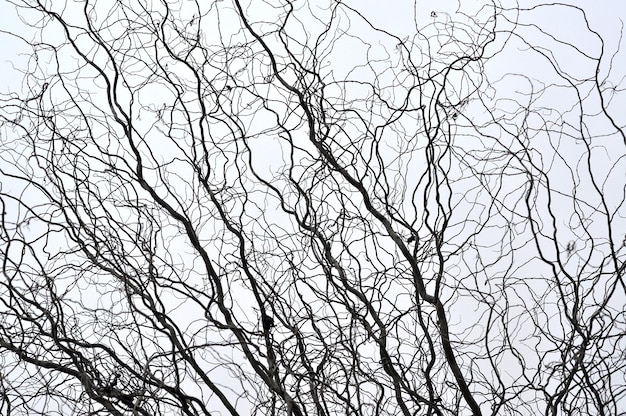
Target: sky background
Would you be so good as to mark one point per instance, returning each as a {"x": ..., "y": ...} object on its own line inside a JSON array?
[{"x": 517, "y": 76}]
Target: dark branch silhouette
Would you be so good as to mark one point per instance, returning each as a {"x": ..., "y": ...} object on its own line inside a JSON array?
[{"x": 312, "y": 208}]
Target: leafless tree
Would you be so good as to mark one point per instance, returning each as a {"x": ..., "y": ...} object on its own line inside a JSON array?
[{"x": 312, "y": 208}]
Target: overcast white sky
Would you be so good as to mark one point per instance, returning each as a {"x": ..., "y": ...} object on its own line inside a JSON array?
[{"x": 398, "y": 17}]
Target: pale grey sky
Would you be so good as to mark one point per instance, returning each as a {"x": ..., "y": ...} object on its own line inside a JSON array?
[{"x": 550, "y": 109}]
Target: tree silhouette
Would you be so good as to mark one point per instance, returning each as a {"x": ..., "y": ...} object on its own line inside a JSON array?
[{"x": 312, "y": 208}]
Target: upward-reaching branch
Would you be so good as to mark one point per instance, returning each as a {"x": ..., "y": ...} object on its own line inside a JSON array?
[{"x": 311, "y": 208}]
